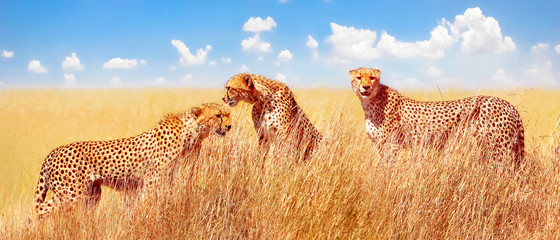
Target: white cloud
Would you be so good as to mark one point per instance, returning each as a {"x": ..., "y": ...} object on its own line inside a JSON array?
[
  {"x": 311, "y": 42},
  {"x": 557, "y": 48},
  {"x": 402, "y": 83},
  {"x": 7, "y": 54},
  {"x": 434, "y": 48},
  {"x": 285, "y": 56},
  {"x": 480, "y": 34},
  {"x": 72, "y": 63},
  {"x": 350, "y": 43},
  {"x": 543, "y": 75},
  {"x": 69, "y": 80},
  {"x": 116, "y": 81},
  {"x": 119, "y": 63},
  {"x": 475, "y": 32},
  {"x": 539, "y": 47},
  {"x": 258, "y": 25},
  {"x": 255, "y": 44},
  {"x": 213, "y": 63},
  {"x": 187, "y": 77},
  {"x": 226, "y": 59},
  {"x": 433, "y": 71},
  {"x": 35, "y": 66},
  {"x": 173, "y": 68},
  {"x": 500, "y": 79},
  {"x": 313, "y": 45},
  {"x": 160, "y": 81},
  {"x": 187, "y": 58},
  {"x": 244, "y": 68},
  {"x": 281, "y": 77}
]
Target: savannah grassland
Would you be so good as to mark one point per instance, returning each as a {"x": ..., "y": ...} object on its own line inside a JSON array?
[{"x": 233, "y": 190}]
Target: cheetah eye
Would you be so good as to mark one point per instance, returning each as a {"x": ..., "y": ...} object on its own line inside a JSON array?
[
  {"x": 359, "y": 77},
  {"x": 371, "y": 77},
  {"x": 219, "y": 115}
]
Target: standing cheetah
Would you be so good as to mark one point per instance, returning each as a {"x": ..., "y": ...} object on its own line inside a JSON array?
[
  {"x": 75, "y": 172},
  {"x": 495, "y": 122},
  {"x": 275, "y": 110}
]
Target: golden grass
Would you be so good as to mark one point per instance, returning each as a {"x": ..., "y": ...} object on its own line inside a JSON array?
[{"x": 234, "y": 190}]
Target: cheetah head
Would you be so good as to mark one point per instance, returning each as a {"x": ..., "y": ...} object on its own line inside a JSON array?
[
  {"x": 212, "y": 117},
  {"x": 239, "y": 88},
  {"x": 365, "y": 81}
]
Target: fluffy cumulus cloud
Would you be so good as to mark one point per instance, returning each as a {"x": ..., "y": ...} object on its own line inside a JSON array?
[
  {"x": 433, "y": 71},
  {"x": 244, "y": 68},
  {"x": 285, "y": 56},
  {"x": 311, "y": 42},
  {"x": 187, "y": 78},
  {"x": 258, "y": 25},
  {"x": 226, "y": 59},
  {"x": 543, "y": 75},
  {"x": 255, "y": 43},
  {"x": 313, "y": 45},
  {"x": 69, "y": 80},
  {"x": 7, "y": 54},
  {"x": 187, "y": 58},
  {"x": 476, "y": 33},
  {"x": 500, "y": 79},
  {"x": 281, "y": 77},
  {"x": 440, "y": 40},
  {"x": 539, "y": 47},
  {"x": 350, "y": 43},
  {"x": 35, "y": 66},
  {"x": 480, "y": 34},
  {"x": 158, "y": 82},
  {"x": 72, "y": 63},
  {"x": 119, "y": 63},
  {"x": 557, "y": 48},
  {"x": 116, "y": 81}
]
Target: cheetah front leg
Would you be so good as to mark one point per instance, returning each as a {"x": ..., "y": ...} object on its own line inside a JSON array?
[{"x": 93, "y": 194}]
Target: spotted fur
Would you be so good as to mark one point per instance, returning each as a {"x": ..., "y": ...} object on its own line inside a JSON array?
[
  {"x": 275, "y": 111},
  {"x": 75, "y": 172},
  {"x": 495, "y": 123}
]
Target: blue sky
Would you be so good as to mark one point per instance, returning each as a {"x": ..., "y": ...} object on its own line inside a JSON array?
[{"x": 417, "y": 44}]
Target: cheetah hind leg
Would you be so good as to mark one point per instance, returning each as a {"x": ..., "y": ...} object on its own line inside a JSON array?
[{"x": 57, "y": 202}]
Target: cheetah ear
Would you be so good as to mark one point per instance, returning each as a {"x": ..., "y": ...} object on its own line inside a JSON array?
[
  {"x": 248, "y": 80},
  {"x": 196, "y": 111},
  {"x": 351, "y": 71},
  {"x": 378, "y": 70}
]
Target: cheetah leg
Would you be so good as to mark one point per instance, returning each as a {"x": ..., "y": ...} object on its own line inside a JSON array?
[
  {"x": 151, "y": 183},
  {"x": 56, "y": 202},
  {"x": 94, "y": 194}
]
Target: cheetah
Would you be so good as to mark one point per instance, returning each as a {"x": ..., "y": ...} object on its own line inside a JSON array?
[
  {"x": 494, "y": 122},
  {"x": 75, "y": 172},
  {"x": 275, "y": 111}
]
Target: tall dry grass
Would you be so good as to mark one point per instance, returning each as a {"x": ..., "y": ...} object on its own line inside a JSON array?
[{"x": 234, "y": 189}]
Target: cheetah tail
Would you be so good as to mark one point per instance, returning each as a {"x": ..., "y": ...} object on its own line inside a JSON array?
[
  {"x": 41, "y": 189},
  {"x": 520, "y": 146}
]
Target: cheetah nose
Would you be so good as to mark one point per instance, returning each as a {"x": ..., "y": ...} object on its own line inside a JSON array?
[
  {"x": 228, "y": 127},
  {"x": 366, "y": 87}
]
